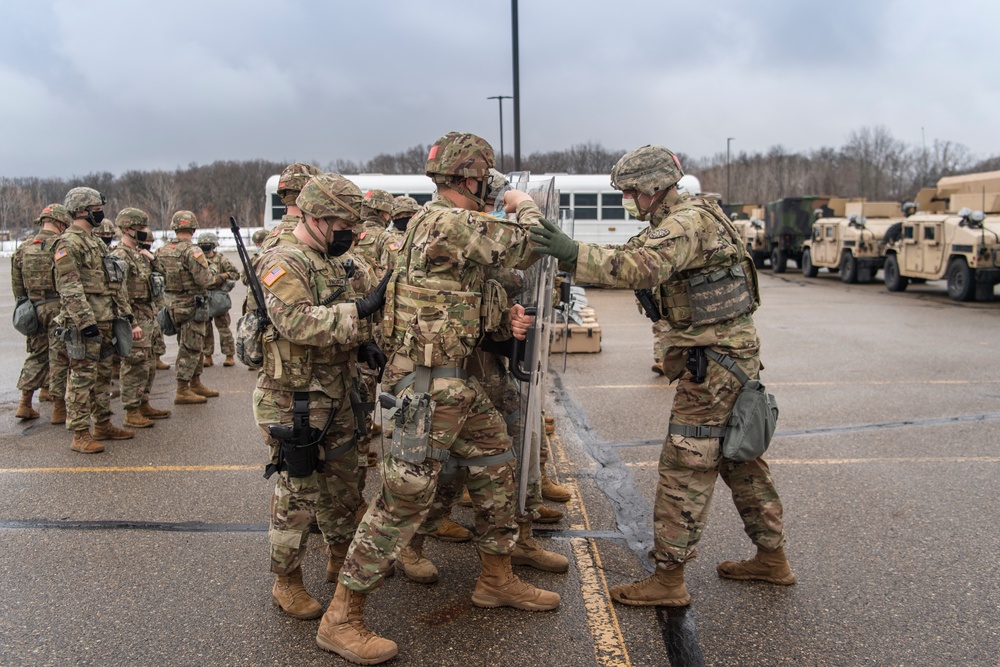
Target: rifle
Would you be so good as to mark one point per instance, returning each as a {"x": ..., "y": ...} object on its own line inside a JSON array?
[{"x": 252, "y": 280}]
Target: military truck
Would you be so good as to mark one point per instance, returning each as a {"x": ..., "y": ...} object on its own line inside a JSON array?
[
  {"x": 748, "y": 220},
  {"x": 850, "y": 242},
  {"x": 962, "y": 248},
  {"x": 787, "y": 224}
]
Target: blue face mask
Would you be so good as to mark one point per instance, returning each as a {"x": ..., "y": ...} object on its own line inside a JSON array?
[{"x": 502, "y": 214}]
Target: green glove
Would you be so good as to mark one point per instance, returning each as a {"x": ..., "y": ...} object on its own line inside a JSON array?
[{"x": 552, "y": 241}]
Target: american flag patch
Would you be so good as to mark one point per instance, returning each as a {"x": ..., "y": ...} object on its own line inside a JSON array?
[
  {"x": 273, "y": 275},
  {"x": 197, "y": 253},
  {"x": 59, "y": 255}
]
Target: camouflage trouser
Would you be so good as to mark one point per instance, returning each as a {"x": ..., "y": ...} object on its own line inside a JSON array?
[
  {"x": 227, "y": 344},
  {"x": 466, "y": 424},
  {"x": 159, "y": 345},
  {"x": 330, "y": 495},
  {"x": 368, "y": 388},
  {"x": 87, "y": 392},
  {"x": 35, "y": 371},
  {"x": 58, "y": 365},
  {"x": 190, "y": 343},
  {"x": 689, "y": 466},
  {"x": 136, "y": 377},
  {"x": 660, "y": 345}
]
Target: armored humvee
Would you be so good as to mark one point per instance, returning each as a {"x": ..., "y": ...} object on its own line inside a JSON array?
[
  {"x": 850, "y": 242},
  {"x": 787, "y": 224},
  {"x": 963, "y": 248}
]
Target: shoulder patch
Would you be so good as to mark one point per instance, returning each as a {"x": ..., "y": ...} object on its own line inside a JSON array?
[
  {"x": 197, "y": 253},
  {"x": 59, "y": 255},
  {"x": 659, "y": 233},
  {"x": 395, "y": 246},
  {"x": 273, "y": 275},
  {"x": 362, "y": 235}
]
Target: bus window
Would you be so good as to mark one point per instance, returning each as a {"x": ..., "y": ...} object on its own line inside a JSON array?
[
  {"x": 277, "y": 208},
  {"x": 585, "y": 206},
  {"x": 611, "y": 207},
  {"x": 421, "y": 198}
]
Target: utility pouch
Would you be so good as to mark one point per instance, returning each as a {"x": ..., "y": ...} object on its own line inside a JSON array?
[
  {"x": 122, "y": 340},
  {"x": 76, "y": 349},
  {"x": 411, "y": 427},
  {"x": 754, "y": 418},
  {"x": 201, "y": 311},
  {"x": 156, "y": 284},
  {"x": 250, "y": 340},
  {"x": 114, "y": 268},
  {"x": 166, "y": 322},
  {"x": 360, "y": 407},
  {"x": 719, "y": 296},
  {"x": 219, "y": 303},
  {"x": 494, "y": 305},
  {"x": 25, "y": 318}
]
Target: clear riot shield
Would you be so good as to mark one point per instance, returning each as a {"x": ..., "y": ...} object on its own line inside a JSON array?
[{"x": 531, "y": 360}]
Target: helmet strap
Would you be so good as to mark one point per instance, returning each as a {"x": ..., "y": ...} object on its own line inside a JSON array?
[
  {"x": 653, "y": 205},
  {"x": 478, "y": 198}
]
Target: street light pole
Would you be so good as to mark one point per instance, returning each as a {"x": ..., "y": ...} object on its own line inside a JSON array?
[
  {"x": 500, "y": 99},
  {"x": 729, "y": 199},
  {"x": 517, "y": 86}
]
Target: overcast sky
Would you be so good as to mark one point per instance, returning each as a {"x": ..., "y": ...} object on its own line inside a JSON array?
[{"x": 112, "y": 85}]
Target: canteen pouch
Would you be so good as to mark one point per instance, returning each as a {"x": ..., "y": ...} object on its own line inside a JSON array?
[
  {"x": 167, "y": 327},
  {"x": 157, "y": 282},
  {"x": 114, "y": 268},
  {"x": 219, "y": 303},
  {"x": 25, "y": 318},
  {"x": 250, "y": 340},
  {"x": 752, "y": 424},
  {"x": 122, "y": 339},
  {"x": 411, "y": 435},
  {"x": 201, "y": 312}
]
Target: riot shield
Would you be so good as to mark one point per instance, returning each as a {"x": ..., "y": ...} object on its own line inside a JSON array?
[{"x": 531, "y": 362}]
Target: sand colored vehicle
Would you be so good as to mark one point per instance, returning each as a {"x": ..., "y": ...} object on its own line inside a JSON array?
[
  {"x": 749, "y": 221},
  {"x": 850, "y": 242}
]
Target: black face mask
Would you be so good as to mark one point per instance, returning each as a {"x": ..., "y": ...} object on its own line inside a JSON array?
[
  {"x": 206, "y": 247},
  {"x": 141, "y": 235},
  {"x": 145, "y": 246},
  {"x": 342, "y": 241},
  {"x": 96, "y": 217},
  {"x": 107, "y": 240},
  {"x": 400, "y": 223}
]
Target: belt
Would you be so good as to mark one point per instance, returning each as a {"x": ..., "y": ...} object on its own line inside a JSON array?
[
  {"x": 689, "y": 431},
  {"x": 422, "y": 378}
]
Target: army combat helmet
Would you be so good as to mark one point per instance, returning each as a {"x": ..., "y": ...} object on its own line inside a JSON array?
[
  {"x": 82, "y": 200},
  {"x": 404, "y": 207},
  {"x": 184, "y": 221},
  {"x": 376, "y": 201},
  {"x": 131, "y": 218},
  {"x": 56, "y": 213},
  {"x": 457, "y": 156},
  {"x": 259, "y": 236},
  {"x": 293, "y": 178},
  {"x": 648, "y": 170},
  {"x": 208, "y": 239},
  {"x": 331, "y": 196}
]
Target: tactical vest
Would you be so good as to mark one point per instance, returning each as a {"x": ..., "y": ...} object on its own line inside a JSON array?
[
  {"x": 94, "y": 274},
  {"x": 717, "y": 293},
  {"x": 138, "y": 275},
  {"x": 38, "y": 268},
  {"x": 178, "y": 278},
  {"x": 289, "y": 365}
]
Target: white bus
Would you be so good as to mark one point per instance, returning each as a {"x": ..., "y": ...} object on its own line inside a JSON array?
[{"x": 590, "y": 208}]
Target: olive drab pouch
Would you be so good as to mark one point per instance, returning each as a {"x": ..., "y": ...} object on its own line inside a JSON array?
[
  {"x": 754, "y": 418},
  {"x": 157, "y": 282},
  {"x": 412, "y": 428},
  {"x": 250, "y": 340},
  {"x": 122, "y": 340},
  {"x": 166, "y": 322},
  {"x": 25, "y": 318},
  {"x": 494, "y": 305},
  {"x": 219, "y": 303},
  {"x": 719, "y": 296},
  {"x": 201, "y": 311},
  {"x": 115, "y": 268}
]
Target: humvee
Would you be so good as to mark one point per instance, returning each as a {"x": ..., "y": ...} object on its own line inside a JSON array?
[
  {"x": 748, "y": 220},
  {"x": 787, "y": 224},
  {"x": 963, "y": 248},
  {"x": 850, "y": 242}
]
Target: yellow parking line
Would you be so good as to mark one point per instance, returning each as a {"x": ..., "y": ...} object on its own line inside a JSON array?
[
  {"x": 130, "y": 469},
  {"x": 884, "y": 459},
  {"x": 609, "y": 642}
]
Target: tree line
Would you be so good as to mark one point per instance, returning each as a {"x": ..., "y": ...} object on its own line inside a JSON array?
[{"x": 871, "y": 164}]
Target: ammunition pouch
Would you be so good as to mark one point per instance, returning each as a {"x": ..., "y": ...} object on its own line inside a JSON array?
[
  {"x": 201, "y": 308},
  {"x": 166, "y": 322},
  {"x": 157, "y": 283},
  {"x": 115, "y": 268},
  {"x": 719, "y": 296},
  {"x": 219, "y": 303},
  {"x": 412, "y": 428},
  {"x": 122, "y": 339},
  {"x": 25, "y": 317}
]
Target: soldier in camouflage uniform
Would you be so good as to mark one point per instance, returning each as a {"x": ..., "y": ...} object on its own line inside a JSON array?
[
  {"x": 690, "y": 242},
  {"x": 187, "y": 276},
  {"x": 403, "y": 208},
  {"x": 290, "y": 184},
  {"x": 92, "y": 292},
  {"x": 441, "y": 305},
  {"x": 371, "y": 238},
  {"x": 318, "y": 330},
  {"x": 208, "y": 242},
  {"x": 32, "y": 276},
  {"x": 145, "y": 293}
]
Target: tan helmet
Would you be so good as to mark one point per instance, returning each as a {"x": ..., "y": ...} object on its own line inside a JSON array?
[
  {"x": 293, "y": 178},
  {"x": 184, "y": 221},
  {"x": 404, "y": 206},
  {"x": 56, "y": 213},
  {"x": 648, "y": 170},
  {"x": 81, "y": 199},
  {"x": 208, "y": 238},
  {"x": 376, "y": 200},
  {"x": 331, "y": 196},
  {"x": 131, "y": 218},
  {"x": 106, "y": 230},
  {"x": 459, "y": 155},
  {"x": 259, "y": 236}
]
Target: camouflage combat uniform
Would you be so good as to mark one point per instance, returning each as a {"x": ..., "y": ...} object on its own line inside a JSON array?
[
  {"x": 139, "y": 368},
  {"x": 227, "y": 271},
  {"x": 32, "y": 277},
  {"x": 371, "y": 238},
  {"x": 442, "y": 274}
]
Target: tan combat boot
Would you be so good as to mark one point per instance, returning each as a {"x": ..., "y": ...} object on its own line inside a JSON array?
[
  {"x": 289, "y": 594},
  {"x": 160, "y": 365},
  {"x": 342, "y": 631},
  {"x": 335, "y": 559},
  {"x": 200, "y": 389},
  {"x": 208, "y": 361},
  {"x": 466, "y": 499},
  {"x": 449, "y": 531},
  {"x": 548, "y": 515},
  {"x": 529, "y": 552},
  {"x": 550, "y": 425},
  {"x": 135, "y": 419},
  {"x": 108, "y": 431},
  {"x": 149, "y": 412},
  {"x": 229, "y": 361},
  {"x": 84, "y": 443},
  {"x": 414, "y": 564},
  {"x": 498, "y": 586},
  {"x": 553, "y": 491},
  {"x": 44, "y": 396},
  {"x": 657, "y": 368},
  {"x": 185, "y": 396},
  {"x": 24, "y": 409},
  {"x": 769, "y": 566},
  {"x": 663, "y": 588},
  {"x": 58, "y": 410}
]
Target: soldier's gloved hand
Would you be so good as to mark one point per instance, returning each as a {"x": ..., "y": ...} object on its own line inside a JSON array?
[
  {"x": 90, "y": 331},
  {"x": 372, "y": 354},
  {"x": 228, "y": 285},
  {"x": 552, "y": 241},
  {"x": 375, "y": 299}
]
